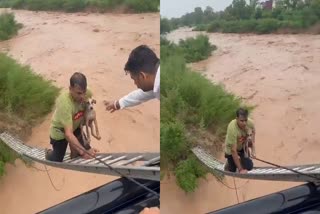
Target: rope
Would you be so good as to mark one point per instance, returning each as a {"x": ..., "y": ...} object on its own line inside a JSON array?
[
  {"x": 234, "y": 181},
  {"x": 51, "y": 179},
  {"x": 233, "y": 188},
  {"x": 41, "y": 170},
  {"x": 292, "y": 170}
]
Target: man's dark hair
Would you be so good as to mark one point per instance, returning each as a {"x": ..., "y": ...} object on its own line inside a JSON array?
[
  {"x": 242, "y": 112},
  {"x": 78, "y": 79},
  {"x": 142, "y": 58}
]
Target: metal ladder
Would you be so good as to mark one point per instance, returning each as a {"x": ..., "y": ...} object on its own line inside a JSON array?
[
  {"x": 262, "y": 173},
  {"x": 135, "y": 165}
]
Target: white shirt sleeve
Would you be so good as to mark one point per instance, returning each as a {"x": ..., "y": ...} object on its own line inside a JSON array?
[
  {"x": 138, "y": 96},
  {"x": 135, "y": 98},
  {"x": 156, "y": 87}
]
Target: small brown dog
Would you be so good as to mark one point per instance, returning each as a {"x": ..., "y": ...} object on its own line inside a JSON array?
[{"x": 89, "y": 119}]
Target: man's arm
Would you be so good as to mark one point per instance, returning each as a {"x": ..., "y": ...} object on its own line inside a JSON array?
[
  {"x": 134, "y": 98},
  {"x": 76, "y": 144},
  {"x": 232, "y": 140},
  {"x": 235, "y": 157},
  {"x": 253, "y": 142}
]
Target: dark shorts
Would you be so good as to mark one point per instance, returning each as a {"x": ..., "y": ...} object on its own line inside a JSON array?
[
  {"x": 60, "y": 147},
  {"x": 245, "y": 162}
]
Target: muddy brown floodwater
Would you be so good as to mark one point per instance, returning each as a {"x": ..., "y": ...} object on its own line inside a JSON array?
[
  {"x": 280, "y": 75},
  {"x": 56, "y": 45}
]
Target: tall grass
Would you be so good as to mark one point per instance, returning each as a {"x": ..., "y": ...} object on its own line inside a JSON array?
[
  {"x": 8, "y": 26},
  {"x": 138, "y": 6},
  {"x": 6, "y": 156},
  {"x": 23, "y": 93},
  {"x": 190, "y": 103}
]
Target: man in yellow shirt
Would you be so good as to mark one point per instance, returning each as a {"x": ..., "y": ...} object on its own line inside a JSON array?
[
  {"x": 65, "y": 124},
  {"x": 238, "y": 133}
]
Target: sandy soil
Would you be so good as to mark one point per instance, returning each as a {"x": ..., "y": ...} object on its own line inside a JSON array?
[
  {"x": 55, "y": 45},
  {"x": 279, "y": 74}
]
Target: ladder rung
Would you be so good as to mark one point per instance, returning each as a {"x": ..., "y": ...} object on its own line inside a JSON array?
[
  {"x": 91, "y": 160},
  {"x": 116, "y": 160},
  {"x": 147, "y": 163},
  {"x": 131, "y": 160},
  {"x": 66, "y": 158},
  {"x": 73, "y": 160},
  {"x": 306, "y": 169},
  {"x": 102, "y": 159}
]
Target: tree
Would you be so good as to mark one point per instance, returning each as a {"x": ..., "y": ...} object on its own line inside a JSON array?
[
  {"x": 165, "y": 26},
  {"x": 198, "y": 15}
]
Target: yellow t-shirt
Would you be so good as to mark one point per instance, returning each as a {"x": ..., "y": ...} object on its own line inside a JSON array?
[
  {"x": 235, "y": 135},
  {"x": 67, "y": 113}
]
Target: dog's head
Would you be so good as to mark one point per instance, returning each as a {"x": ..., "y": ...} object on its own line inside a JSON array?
[{"x": 89, "y": 104}]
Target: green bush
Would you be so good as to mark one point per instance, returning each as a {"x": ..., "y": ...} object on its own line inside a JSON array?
[
  {"x": 55, "y": 4},
  {"x": 143, "y": 5},
  {"x": 16, "y": 4},
  {"x": 267, "y": 25},
  {"x": 6, "y": 156},
  {"x": 104, "y": 5},
  {"x": 247, "y": 26},
  {"x": 174, "y": 145},
  {"x": 36, "y": 5},
  {"x": 231, "y": 27},
  {"x": 74, "y": 5},
  {"x": 24, "y": 93},
  {"x": 202, "y": 27},
  {"x": 196, "y": 49},
  {"x": 188, "y": 172},
  {"x": 8, "y": 26}
]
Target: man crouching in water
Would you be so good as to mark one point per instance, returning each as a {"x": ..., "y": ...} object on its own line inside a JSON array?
[
  {"x": 239, "y": 131},
  {"x": 65, "y": 125}
]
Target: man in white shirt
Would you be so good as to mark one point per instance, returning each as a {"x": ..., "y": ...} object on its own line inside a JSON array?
[{"x": 143, "y": 66}]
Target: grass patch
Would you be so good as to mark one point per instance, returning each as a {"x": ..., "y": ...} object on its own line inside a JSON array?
[
  {"x": 25, "y": 98},
  {"x": 188, "y": 173},
  {"x": 192, "y": 109},
  {"x": 7, "y": 155},
  {"x": 8, "y": 26},
  {"x": 23, "y": 93}
]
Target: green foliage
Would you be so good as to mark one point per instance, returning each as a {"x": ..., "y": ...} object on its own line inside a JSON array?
[
  {"x": 174, "y": 145},
  {"x": 188, "y": 172},
  {"x": 143, "y": 5},
  {"x": 248, "y": 17},
  {"x": 267, "y": 26},
  {"x": 6, "y": 156},
  {"x": 24, "y": 93},
  {"x": 165, "y": 26},
  {"x": 74, "y": 5},
  {"x": 8, "y": 26},
  {"x": 200, "y": 27},
  {"x": 196, "y": 49},
  {"x": 189, "y": 102},
  {"x": 81, "y": 5}
]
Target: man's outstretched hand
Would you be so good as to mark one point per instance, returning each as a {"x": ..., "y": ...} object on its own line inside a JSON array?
[{"x": 111, "y": 106}]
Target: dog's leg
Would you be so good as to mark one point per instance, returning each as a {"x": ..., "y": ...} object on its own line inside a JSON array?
[
  {"x": 92, "y": 129},
  {"x": 88, "y": 133},
  {"x": 97, "y": 130}
]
